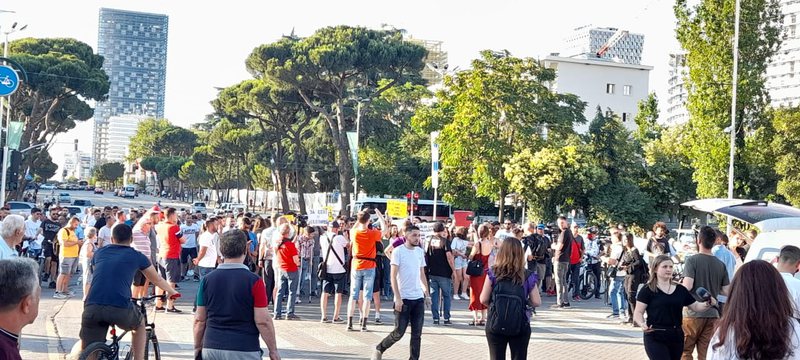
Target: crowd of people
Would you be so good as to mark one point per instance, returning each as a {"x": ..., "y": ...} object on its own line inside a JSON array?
[{"x": 250, "y": 262}]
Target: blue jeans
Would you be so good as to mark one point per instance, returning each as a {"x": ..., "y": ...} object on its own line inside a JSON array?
[
  {"x": 288, "y": 281},
  {"x": 305, "y": 274},
  {"x": 204, "y": 271},
  {"x": 617, "y": 295},
  {"x": 445, "y": 286},
  {"x": 362, "y": 280},
  {"x": 387, "y": 277}
]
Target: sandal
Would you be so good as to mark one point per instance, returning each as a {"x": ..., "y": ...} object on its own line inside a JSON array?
[{"x": 482, "y": 323}]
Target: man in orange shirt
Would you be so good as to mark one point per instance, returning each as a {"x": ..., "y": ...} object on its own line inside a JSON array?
[
  {"x": 362, "y": 273},
  {"x": 170, "y": 236}
]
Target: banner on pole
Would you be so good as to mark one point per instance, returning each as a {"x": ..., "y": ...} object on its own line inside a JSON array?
[
  {"x": 397, "y": 208},
  {"x": 352, "y": 140},
  {"x": 434, "y": 160},
  {"x": 14, "y": 134}
]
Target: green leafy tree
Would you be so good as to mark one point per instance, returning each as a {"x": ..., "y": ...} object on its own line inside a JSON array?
[
  {"x": 482, "y": 115},
  {"x": 158, "y": 137},
  {"x": 647, "y": 127},
  {"x": 334, "y": 69},
  {"x": 64, "y": 75},
  {"x": 109, "y": 172},
  {"x": 167, "y": 168},
  {"x": 787, "y": 147},
  {"x": 705, "y": 30},
  {"x": 555, "y": 177},
  {"x": 668, "y": 179}
]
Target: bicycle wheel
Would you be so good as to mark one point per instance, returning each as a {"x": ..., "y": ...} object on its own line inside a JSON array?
[
  {"x": 97, "y": 351},
  {"x": 588, "y": 284},
  {"x": 152, "y": 346}
]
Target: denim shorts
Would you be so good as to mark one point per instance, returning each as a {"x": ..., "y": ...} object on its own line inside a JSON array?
[
  {"x": 460, "y": 263},
  {"x": 362, "y": 280}
]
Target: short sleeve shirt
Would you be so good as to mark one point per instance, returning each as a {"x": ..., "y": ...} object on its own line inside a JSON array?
[
  {"x": 207, "y": 240},
  {"x": 409, "y": 261},
  {"x": 364, "y": 248},
  {"x": 708, "y": 272},
  {"x": 68, "y": 251},
  {"x": 664, "y": 310},
  {"x": 334, "y": 266},
  {"x": 169, "y": 235},
  {"x": 50, "y": 229},
  {"x": 286, "y": 253},
  {"x": 114, "y": 267},
  {"x": 437, "y": 257}
]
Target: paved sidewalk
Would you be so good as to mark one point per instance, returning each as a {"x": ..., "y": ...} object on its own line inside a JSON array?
[{"x": 578, "y": 333}]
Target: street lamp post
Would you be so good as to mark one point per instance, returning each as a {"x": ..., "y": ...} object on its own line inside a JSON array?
[
  {"x": 733, "y": 103},
  {"x": 5, "y": 102}
]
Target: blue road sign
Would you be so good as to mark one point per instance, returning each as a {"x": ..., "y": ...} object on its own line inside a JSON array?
[{"x": 9, "y": 80}]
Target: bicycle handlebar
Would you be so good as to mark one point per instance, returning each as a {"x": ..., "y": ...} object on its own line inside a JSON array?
[{"x": 162, "y": 297}]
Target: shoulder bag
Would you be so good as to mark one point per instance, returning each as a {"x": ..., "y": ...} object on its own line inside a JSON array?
[
  {"x": 475, "y": 267},
  {"x": 322, "y": 271}
]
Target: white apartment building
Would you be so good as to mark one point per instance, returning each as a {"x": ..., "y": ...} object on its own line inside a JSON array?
[
  {"x": 118, "y": 131},
  {"x": 608, "y": 84},
  {"x": 783, "y": 80},
  {"x": 677, "y": 113}
]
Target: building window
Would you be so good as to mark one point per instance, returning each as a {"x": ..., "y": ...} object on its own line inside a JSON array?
[
  {"x": 625, "y": 117},
  {"x": 609, "y": 88},
  {"x": 626, "y": 90}
]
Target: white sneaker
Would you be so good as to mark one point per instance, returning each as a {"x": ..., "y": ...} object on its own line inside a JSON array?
[
  {"x": 464, "y": 297},
  {"x": 59, "y": 295},
  {"x": 455, "y": 297},
  {"x": 376, "y": 355}
]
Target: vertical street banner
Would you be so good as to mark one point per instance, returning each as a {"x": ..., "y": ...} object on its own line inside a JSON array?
[
  {"x": 352, "y": 140},
  {"x": 434, "y": 160}
]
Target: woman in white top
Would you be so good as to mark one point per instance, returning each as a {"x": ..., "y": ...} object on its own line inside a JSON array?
[
  {"x": 757, "y": 322},
  {"x": 459, "y": 247},
  {"x": 85, "y": 258}
]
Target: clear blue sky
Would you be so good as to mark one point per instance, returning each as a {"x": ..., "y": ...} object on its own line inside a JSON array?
[{"x": 208, "y": 41}]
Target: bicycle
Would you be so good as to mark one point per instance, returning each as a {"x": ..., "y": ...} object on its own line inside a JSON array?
[{"x": 103, "y": 351}]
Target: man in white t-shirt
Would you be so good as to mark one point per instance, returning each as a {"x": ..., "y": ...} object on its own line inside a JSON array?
[
  {"x": 335, "y": 281},
  {"x": 104, "y": 234},
  {"x": 189, "y": 229},
  {"x": 33, "y": 228},
  {"x": 208, "y": 255},
  {"x": 411, "y": 295},
  {"x": 788, "y": 261}
]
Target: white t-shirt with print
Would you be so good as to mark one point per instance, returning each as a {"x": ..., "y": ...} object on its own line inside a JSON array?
[
  {"x": 210, "y": 241},
  {"x": 409, "y": 262},
  {"x": 339, "y": 245},
  {"x": 190, "y": 234},
  {"x": 104, "y": 234}
]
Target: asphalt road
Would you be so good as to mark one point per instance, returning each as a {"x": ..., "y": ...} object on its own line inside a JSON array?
[{"x": 109, "y": 199}]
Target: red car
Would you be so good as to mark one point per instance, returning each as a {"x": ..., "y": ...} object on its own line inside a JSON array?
[{"x": 98, "y": 190}]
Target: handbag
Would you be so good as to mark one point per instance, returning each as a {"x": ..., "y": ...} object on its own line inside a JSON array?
[
  {"x": 322, "y": 270},
  {"x": 475, "y": 267},
  {"x": 612, "y": 270},
  {"x": 346, "y": 265}
]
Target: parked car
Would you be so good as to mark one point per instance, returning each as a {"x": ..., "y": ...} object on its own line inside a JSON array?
[
  {"x": 199, "y": 207},
  {"x": 98, "y": 190},
  {"x": 226, "y": 208},
  {"x": 74, "y": 210},
  {"x": 64, "y": 198},
  {"x": 21, "y": 207},
  {"x": 47, "y": 187},
  {"x": 778, "y": 224}
]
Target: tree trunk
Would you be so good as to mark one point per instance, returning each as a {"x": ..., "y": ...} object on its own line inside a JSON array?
[
  {"x": 345, "y": 165},
  {"x": 301, "y": 200},
  {"x": 281, "y": 183},
  {"x": 502, "y": 205}
]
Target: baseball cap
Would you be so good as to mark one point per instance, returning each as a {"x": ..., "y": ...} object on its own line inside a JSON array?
[
  {"x": 540, "y": 226},
  {"x": 334, "y": 224}
]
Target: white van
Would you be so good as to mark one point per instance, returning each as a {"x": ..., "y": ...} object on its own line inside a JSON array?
[{"x": 129, "y": 192}]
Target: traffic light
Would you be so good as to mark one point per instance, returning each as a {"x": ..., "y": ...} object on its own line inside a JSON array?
[
  {"x": 415, "y": 201},
  {"x": 408, "y": 201},
  {"x": 15, "y": 162}
]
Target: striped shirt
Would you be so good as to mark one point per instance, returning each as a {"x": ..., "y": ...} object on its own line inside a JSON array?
[{"x": 141, "y": 242}]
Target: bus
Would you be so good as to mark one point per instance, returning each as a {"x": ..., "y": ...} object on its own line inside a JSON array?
[{"x": 424, "y": 209}]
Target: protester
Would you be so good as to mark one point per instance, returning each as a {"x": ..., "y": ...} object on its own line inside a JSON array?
[
  {"x": 480, "y": 252},
  {"x": 593, "y": 250},
  {"x": 12, "y": 231},
  {"x": 362, "y": 275},
  {"x": 509, "y": 286},
  {"x": 411, "y": 294},
  {"x": 288, "y": 262},
  {"x": 69, "y": 248},
  {"x": 635, "y": 273},
  {"x": 439, "y": 259},
  {"x": 758, "y": 322},
  {"x": 561, "y": 260},
  {"x": 706, "y": 271},
  {"x": 663, "y": 301},
  {"x": 170, "y": 237},
  {"x": 575, "y": 257},
  {"x": 788, "y": 262},
  {"x": 85, "y": 258},
  {"x": 19, "y": 302},
  {"x": 460, "y": 260},
  {"x": 334, "y": 246},
  {"x": 232, "y": 308},
  {"x": 109, "y": 299},
  {"x": 721, "y": 252}
]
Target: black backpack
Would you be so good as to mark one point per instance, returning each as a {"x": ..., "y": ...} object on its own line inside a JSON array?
[{"x": 507, "y": 310}]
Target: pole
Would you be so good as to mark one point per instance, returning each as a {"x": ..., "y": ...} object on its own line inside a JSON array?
[
  {"x": 435, "y": 200},
  {"x": 4, "y": 122},
  {"x": 355, "y": 176},
  {"x": 733, "y": 104}
]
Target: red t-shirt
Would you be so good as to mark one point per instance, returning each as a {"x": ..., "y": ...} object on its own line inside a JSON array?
[
  {"x": 364, "y": 247},
  {"x": 169, "y": 235},
  {"x": 286, "y": 253}
]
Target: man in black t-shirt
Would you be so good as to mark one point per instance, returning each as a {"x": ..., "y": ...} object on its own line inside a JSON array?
[
  {"x": 439, "y": 258},
  {"x": 563, "y": 249},
  {"x": 50, "y": 227}
]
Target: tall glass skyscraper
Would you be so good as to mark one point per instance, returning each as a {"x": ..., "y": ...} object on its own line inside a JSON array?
[{"x": 134, "y": 45}]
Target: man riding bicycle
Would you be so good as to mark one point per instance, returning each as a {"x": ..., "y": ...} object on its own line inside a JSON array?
[{"x": 109, "y": 298}]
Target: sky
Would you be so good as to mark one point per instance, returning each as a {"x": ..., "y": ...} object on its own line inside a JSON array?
[{"x": 208, "y": 42}]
